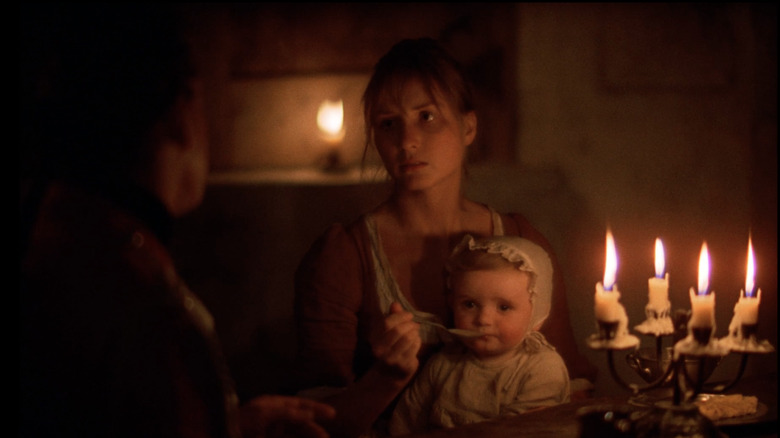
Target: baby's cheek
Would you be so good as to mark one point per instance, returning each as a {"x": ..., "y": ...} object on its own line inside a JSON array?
[
  {"x": 514, "y": 334},
  {"x": 461, "y": 321}
]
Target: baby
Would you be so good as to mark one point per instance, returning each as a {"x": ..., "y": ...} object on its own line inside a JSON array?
[{"x": 501, "y": 287}]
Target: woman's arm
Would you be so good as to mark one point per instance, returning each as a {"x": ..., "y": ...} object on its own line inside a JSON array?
[
  {"x": 328, "y": 297},
  {"x": 362, "y": 402},
  {"x": 364, "y": 357}
]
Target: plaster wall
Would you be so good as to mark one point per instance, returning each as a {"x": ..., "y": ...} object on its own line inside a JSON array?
[{"x": 652, "y": 122}]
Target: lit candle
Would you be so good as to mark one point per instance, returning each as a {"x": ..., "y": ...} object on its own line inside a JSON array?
[
  {"x": 330, "y": 120},
  {"x": 703, "y": 302},
  {"x": 658, "y": 286},
  {"x": 747, "y": 307},
  {"x": 607, "y": 308}
]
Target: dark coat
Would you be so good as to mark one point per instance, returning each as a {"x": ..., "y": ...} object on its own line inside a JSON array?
[{"x": 112, "y": 341}]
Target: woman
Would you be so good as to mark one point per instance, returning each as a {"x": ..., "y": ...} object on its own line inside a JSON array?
[{"x": 365, "y": 292}]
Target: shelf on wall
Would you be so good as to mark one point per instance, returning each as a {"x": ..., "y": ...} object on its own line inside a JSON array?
[{"x": 300, "y": 176}]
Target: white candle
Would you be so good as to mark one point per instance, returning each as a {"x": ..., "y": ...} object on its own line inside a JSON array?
[
  {"x": 658, "y": 286},
  {"x": 703, "y": 302},
  {"x": 747, "y": 309},
  {"x": 607, "y": 307},
  {"x": 703, "y": 306},
  {"x": 747, "y": 306}
]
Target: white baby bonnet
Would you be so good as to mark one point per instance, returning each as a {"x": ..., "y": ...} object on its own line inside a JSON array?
[{"x": 535, "y": 260}]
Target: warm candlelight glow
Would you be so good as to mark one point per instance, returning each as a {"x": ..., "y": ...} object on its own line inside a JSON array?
[
  {"x": 749, "y": 278},
  {"x": 659, "y": 258},
  {"x": 704, "y": 270},
  {"x": 330, "y": 119},
  {"x": 610, "y": 269}
]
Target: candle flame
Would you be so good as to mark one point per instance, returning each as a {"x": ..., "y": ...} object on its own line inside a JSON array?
[
  {"x": 330, "y": 118},
  {"x": 660, "y": 261},
  {"x": 704, "y": 270},
  {"x": 611, "y": 266},
  {"x": 749, "y": 278}
]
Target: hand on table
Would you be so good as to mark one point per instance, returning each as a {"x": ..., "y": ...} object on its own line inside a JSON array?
[{"x": 276, "y": 416}]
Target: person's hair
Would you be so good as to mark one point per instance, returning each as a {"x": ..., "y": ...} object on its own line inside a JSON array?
[
  {"x": 105, "y": 74},
  {"x": 424, "y": 59}
]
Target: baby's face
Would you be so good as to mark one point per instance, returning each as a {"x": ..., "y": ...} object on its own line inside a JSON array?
[{"x": 495, "y": 303}]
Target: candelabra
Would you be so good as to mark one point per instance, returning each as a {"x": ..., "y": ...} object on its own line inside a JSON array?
[
  {"x": 691, "y": 360},
  {"x": 699, "y": 348},
  {"x": 695, "y": 351}
]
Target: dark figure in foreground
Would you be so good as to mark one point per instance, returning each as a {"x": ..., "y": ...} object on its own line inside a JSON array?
[{"x": 115, "y": 148}]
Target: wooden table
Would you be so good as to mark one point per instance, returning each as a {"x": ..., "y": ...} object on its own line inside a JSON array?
[{"x": 562, "y": 422}]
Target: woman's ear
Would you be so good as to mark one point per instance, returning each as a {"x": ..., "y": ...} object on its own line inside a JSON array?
[{"x": 469, "y": 127}]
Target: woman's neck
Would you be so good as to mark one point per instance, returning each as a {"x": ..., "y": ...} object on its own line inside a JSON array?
[{"x": 420, "y": 213}]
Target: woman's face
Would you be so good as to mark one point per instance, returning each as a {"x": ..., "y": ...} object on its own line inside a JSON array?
[{"x": 422, "y": 141}]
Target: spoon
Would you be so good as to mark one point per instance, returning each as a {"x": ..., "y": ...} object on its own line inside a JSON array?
[{"x": 462, "y": 333}]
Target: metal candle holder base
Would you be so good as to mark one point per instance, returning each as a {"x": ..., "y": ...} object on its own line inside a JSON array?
[
  {"x": 699, "y": 345},
  {"x": 745, "y": 341},
  {"x": 608, "y": 330},
  {"x": 702, "y": 335},
  {"x": 749, "y": 331},
  {"x": 609, "y": 337}
]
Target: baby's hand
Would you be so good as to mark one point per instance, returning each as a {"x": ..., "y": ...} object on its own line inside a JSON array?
[{"x": 396, "y": 347}]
